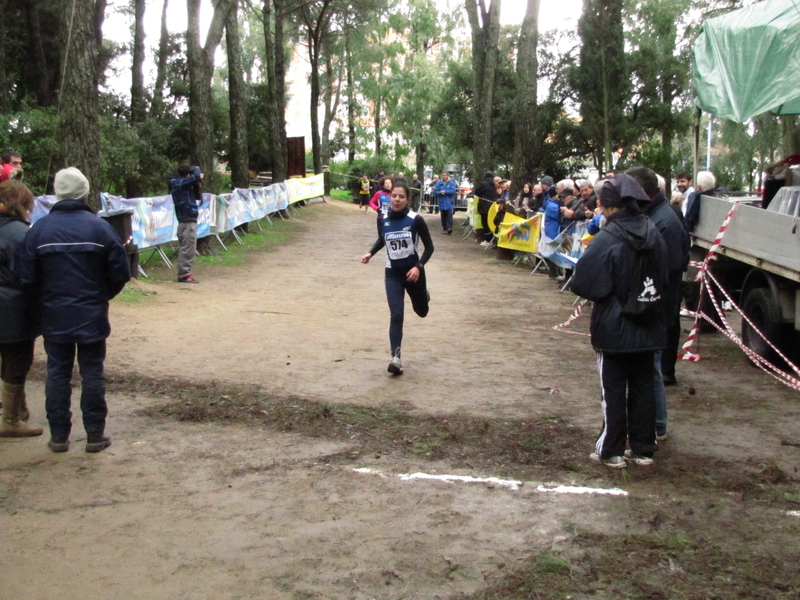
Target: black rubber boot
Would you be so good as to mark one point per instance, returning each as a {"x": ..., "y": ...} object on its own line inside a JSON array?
[
  {"x": 58, "y": 444},
  {"x": 97, "y": 442}
]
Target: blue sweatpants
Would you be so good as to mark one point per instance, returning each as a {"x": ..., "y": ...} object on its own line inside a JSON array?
[{"x": 396, "y": 288}]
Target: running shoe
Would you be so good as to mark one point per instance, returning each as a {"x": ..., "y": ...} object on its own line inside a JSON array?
[
  {"x": 613, "y": 462},
  {"x": 396, "y": 367},
  {"x": 638, "y": 459},
  {"x": 189, "y": 279},
  {"x": 661, "y": 437}
]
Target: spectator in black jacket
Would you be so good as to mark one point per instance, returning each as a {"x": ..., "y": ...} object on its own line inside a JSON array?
[
  {"x": 625, "y": 347},
  {"x": 76, "y": 263},
  {"x": 18, "y": 326},
  {"x": 416, "y": 186},
  {"x": 669, "y": 225},
  {"x": 487, "y": 194}
]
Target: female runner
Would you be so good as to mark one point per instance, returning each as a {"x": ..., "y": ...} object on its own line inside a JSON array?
[
  {"x": 381, "y": 199},
  {"x": 400, "y": 231}
]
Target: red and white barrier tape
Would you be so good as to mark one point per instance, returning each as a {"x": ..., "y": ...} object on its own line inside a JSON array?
[
  {"x": 575, "y": 314},
  {"x": 685, "y": 352},
  {"x": 761, "y": 363},
  {"x": 703, "y": 274},
  {"x": 717, "y": 241}
]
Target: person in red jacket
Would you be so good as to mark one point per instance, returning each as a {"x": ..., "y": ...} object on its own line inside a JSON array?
[{"x": 11, "y": 161}]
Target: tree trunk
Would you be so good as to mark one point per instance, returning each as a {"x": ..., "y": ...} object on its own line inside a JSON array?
[
  {"x": 3, "y": 90},
  {"x": 790, "y": 135},
  {"x": 79, "y": 128},
  {"x": 314, "y": 43},
  {"x": 420, "y": 152},
  {"x": 485, "y": 28},
  {"x": 351, "y": 101},
  {"x": 201, "y": 70},
  {"x": 44, "y": 94},
  {"x": 377, "y": 113},
  {"x": 317, "y": 24},
  {"x": 333, "y": 94},
  {"x": 157, "y": 106},
  {"x": 138, "y": 102},
  {"x": 240, "y": 174},
  {"x": 525, "y": 132},
  {"x": 274, "y": 58}
]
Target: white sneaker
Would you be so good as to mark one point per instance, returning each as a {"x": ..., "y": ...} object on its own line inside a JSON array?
[
  {"x": 396, "y": 367},
  {"x": 638, "y": 459},
  {"x": 613, "y": 462},
  {"x": 484, "y": 244}
]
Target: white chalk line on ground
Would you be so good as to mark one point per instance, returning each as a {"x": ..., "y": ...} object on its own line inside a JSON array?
[
  {"x": 793, "y": 513},
  {"x": 511, "y": 484}
]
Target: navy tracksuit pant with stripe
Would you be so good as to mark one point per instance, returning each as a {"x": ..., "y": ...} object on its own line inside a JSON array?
[{"x": 628, "y": 402}]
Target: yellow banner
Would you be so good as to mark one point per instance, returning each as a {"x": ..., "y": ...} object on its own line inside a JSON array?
[
  {"x": 472, "y": 213},
  {"x": 305, "y": 188},
  {"x": 520, "y": 234}
]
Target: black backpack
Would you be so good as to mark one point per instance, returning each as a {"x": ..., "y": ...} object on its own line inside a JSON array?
[{"x": 644, "y": 302}]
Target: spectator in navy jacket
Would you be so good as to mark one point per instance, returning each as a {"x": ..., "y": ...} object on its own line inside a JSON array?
[
  {"x": 186, "y": 197},
  {"x": 75, "y": 263}
]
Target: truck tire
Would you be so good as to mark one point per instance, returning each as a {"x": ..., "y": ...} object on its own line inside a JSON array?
[{"x": 765, "y": 313}]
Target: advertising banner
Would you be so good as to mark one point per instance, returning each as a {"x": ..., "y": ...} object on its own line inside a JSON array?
[
  {"x": 281, "y": 195},
  {"x": 305, "y": 189},
  {"x": 153, "y": 220},
  {"x": 520, "y": 234},
  {"x": 154, "y": 223}
]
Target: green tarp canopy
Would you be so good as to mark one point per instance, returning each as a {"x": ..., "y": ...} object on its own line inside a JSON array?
[{"x": 747, "y": 62}]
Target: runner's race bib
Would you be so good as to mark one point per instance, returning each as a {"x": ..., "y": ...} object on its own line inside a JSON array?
[{"x": 399, "y": 245}]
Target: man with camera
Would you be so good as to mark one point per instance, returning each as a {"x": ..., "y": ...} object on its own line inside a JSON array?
[{"x": 186, "y": 196}]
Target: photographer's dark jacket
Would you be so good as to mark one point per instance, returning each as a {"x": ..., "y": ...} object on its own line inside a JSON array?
[
  {"x": 184, "y": 196},
  {"x": 603, "y": 275},
  {"x": 17, "y": 321},
  {"x": 75, "y": 263}
]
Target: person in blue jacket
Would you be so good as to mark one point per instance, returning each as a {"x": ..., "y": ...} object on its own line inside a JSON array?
[
  {"x": 445, "y": 192},
  {"x": 401, "y": 231},
  {"x": 553, "y": 224},
  {"x": 75, "y": 263}
]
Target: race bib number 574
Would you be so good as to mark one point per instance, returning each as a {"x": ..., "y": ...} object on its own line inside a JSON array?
[{"x": 399, "y": 245}]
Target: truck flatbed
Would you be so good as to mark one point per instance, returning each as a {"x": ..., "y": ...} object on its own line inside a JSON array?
[{"x": 760, "y": 238}]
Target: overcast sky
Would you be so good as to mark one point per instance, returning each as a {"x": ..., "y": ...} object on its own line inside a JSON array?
[{"x": 552, "y": 14}]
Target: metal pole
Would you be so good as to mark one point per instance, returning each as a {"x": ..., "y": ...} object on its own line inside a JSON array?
[
  {"x": 696, "y": 144},
  {"x": 708, "y": 144}
]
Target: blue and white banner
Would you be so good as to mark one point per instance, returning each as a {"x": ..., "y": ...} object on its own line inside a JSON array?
[{"x": 154, "y": 223}]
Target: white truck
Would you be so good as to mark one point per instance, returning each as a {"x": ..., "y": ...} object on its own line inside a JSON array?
[
  {"x": 758, "y": 262},
  {"x": 743, "y": 65}
]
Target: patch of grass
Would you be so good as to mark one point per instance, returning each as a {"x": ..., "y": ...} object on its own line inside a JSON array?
[
  {"x": 343, "y": 195},
  {"x": 133, "y": 294},
  {"x": 256, "y": 240},
  {"x": 498, "y": 446},
  {"x": 548, "y": 563},
  {"x": 648, "y": 566}
]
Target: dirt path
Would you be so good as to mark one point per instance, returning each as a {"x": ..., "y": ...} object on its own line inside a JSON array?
[{"x": 184, "y": 510}]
